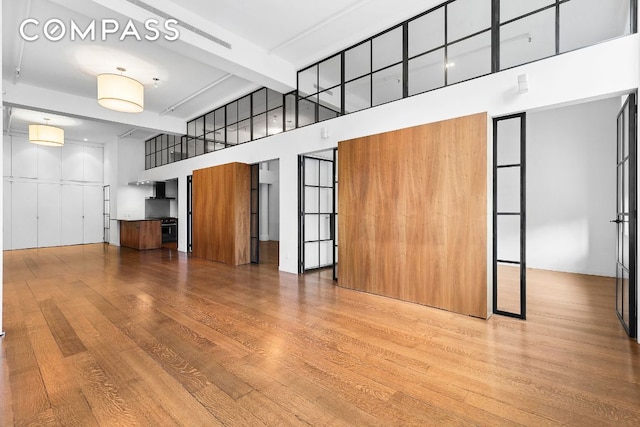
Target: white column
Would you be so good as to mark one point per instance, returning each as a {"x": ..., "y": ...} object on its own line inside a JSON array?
[
  {"x": 1, "y": 195},
  {"x": 264, "y": 206}
]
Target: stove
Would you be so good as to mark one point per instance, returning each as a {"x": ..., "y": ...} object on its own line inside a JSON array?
[{"x": 169, "y": 229}]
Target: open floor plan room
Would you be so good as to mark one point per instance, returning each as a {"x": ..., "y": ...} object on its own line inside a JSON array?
[{"x": 103, "y": 335}]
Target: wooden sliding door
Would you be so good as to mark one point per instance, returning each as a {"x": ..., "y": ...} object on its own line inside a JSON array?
[
  {"x": 221, "y": 213},
  {"x": 413, "y": 214}
]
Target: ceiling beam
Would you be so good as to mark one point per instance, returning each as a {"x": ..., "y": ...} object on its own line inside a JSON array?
[
  {"x": 47, "y": 100},
  {"x": 243, "y": 58}
]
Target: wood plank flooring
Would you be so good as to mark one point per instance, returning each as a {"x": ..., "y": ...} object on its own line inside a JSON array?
[{"x": 98, "y": 335}]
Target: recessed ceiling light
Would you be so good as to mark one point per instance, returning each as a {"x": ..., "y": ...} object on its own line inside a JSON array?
[{"x": 85, "y": 139}]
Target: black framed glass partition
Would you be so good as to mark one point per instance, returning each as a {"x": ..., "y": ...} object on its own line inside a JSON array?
[{"x": 453, "y": 42}]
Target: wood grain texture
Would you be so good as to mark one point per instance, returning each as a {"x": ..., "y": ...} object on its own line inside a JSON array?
[
  {"x": 141, "y": 235},
  {"x": 221, "y": 213},
  {"x": 413, "y": 214},
  {"x": 178, "y": 340}
]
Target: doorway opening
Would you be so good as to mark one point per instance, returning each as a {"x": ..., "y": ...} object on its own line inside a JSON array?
[
  {"x": 577, "y": 239},
  {"x": 317, "y": 220},
  {"x": 265, "y": 213}
]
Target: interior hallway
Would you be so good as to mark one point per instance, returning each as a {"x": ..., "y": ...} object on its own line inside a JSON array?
[{"x": 102, "y": 335}]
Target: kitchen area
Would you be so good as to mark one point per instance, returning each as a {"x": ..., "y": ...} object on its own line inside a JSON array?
[{"x": 159, "y": 226}]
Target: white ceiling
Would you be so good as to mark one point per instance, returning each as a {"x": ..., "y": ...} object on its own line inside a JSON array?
[
  {"x": 286, "y": 31},
  {"x": 269, "y": 41}
]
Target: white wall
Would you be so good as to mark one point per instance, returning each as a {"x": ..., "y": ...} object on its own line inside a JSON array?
[
  {"x": 571, "y": 189},
  {"x": 274, "y": 200},
  {"x": 53, "y": 196},
  {"x": 575, "y": 76}
]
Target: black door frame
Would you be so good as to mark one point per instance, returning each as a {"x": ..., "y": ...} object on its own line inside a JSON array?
[
  {"x": 521, "y": 214},
  {"x": 630, "y": 106}
]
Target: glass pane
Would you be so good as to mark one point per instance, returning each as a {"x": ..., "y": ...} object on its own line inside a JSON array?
[
  {"x": 152, "y": 161},
  {"x": 528, "y": 39},
  {"x": 164, "y": 141},
  {"x": 587, "y": 22},
  {"x": 244, "y": 108},
  {"x": 625, "y": 187},
  {"x": 259, "y": 101},
  {"x": 326, "y": 114},
  {"x": 290, "y": 109},
  {"x": 510, "y": 9},
  {"x": 466, "y": 17},
  {"x": 232, "y": 113},
  {"x": 306, "y": 112},
  {"x": 165, "y": 156},
  {"x": 311, "y": 171},
  {"x": 387, "y": 49},
  {"x": 326, "y": 196},
  {"x": 275, "y": 121},
  {"x": 509, "y": 238},
  {"x": 508, "y": 190},
  {"x": 191, "y": 147},
  {"x": 625, "y": 296},
  {"x": 244, "y": 131},
  {"x": 199, "y": 146},
  {"x": 326, "y": 249},
  {"x": 220, "y": 118},
  {"x": 326, "y": 174},
  {"x": 147, "y": 162},
  {"x": 209, "y": 122},
  {"x": 311, "y": 255},
  {"x": 387, "y": 85},
  {"x": 311, "y": 200},
  {"x": 625, "y": 131},
  {"x": 508, "y": 280},
  {"x": 357, "y": 61},
  {"x": 325, "y": 227},
  {"x": 330, "y": 73},
  {"x": 357, "y": 95},
  {"x": 426, "y": 72},
  {"x": 311, "y": 227},
  {"x": 469, "y": 58},
  {"x": 274, "y": 99},
  {"x": 332, "y": 99},
  {"x": 259, "y": 126},
  {"x": 232, "y": 134},
  {"x": 619, "y": 288},
  {"x": 200, "y": 126},
  {"x": 427, "y": 32},
  {"x": 308, "y": 81},
  {"x": 508, "y": 142},
  {"x": 191, "y": 128}
]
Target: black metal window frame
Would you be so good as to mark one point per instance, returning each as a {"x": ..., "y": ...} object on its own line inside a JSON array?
[
  {"x": 162, "y": 149},
  {"x": 492, "y": 31},
  {"x": 522, "y": 214},
  {"x": 190, "y": 213},
  {"x": 308, "y": 106},
  {"x": 302, "y": 186}
]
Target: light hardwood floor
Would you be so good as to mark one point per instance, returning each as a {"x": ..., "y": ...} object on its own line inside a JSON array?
[{"x": 98, "y": 335}]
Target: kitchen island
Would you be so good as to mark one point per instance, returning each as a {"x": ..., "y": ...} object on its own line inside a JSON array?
[{"x": 141, "y": 234}]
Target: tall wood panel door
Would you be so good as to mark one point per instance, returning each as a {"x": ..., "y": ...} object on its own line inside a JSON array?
[
  {"x": 413, "y": 214},
  {"x": 221, "y": 213}
]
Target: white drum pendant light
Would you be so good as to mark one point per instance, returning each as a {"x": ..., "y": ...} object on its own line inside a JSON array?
[
  {"x": 46, "y": 135},
  {"x": 120, "y": 93}
]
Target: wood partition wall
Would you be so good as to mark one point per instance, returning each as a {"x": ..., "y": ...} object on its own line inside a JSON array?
[
  {"x": 221, "y": 213},
  {"x": 413, "y": 214}
]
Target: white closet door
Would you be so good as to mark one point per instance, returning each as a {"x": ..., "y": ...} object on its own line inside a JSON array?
[
  {"x": 49, "y": 215},
  {"x": 24, "y": 213},
  {"x": 49, "y": 163},
  {"x": 93, "y": 227},
  {"x": 72, "y": 162},
  {"x": 24, "y": 162},
  {"x": 6, "y": 160},
  {"x": 93, "y": 164},
  {"x": 72, "y": 214},
  {"x": 6, "y": 218}
]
